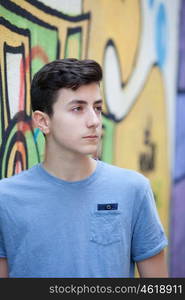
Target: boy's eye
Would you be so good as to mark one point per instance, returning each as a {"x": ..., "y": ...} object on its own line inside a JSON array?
[
  {"x": 80, "y": 108},
  {"x": 98, "y": 108},
  {"x": 77, "y": 108}
]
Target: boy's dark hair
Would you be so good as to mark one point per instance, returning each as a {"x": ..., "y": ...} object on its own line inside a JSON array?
[{"x": 62, "y": 73}]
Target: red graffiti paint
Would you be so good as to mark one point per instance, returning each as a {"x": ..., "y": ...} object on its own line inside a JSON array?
[
  {"x": 18, "y": 167},
  {"x": 36, "y": 52},
  {"x": 22, "y": 85}
]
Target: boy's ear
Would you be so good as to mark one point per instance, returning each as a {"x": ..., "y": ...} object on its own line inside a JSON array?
[{"x": 41, "y": 121}]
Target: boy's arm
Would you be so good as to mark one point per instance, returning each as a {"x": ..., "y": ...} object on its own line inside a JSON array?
[
  {"x": 3, "y": 268},
  {"x": 154, "y": 266}
]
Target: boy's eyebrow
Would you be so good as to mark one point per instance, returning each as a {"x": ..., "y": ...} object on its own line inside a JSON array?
[{"x": 78, "y": 101}]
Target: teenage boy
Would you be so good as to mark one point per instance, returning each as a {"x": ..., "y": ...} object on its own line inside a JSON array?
[{"x": 73, "y": 215}]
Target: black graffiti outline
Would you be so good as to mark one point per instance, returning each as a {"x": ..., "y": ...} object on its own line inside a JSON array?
[
  {"x": 14, "y": 50},
  {"x": 1, "y": 108},
  {"x": 56, "y": 13},
  {"x": 70, "y": 32},
  {"x": 17, "y": 137},
  {"x": 11, "y": 49},
  {"x": 19, "y": 117},
  {"x": 111, "y": 43},
  {"x": 13, "y": 7}
]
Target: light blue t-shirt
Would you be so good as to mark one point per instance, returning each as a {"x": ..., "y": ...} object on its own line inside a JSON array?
[{"x": 96, "y": 227}]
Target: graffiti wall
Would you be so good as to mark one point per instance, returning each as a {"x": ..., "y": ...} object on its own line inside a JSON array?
[
  {"x": 178, "y": 190},
  {"x": 138, "y": 43}
]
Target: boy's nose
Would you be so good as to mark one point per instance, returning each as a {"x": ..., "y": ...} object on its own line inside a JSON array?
[{"x": 93, "y": 120}]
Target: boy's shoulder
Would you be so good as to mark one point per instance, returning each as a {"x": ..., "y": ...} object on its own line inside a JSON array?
[
  {"x": 125, "y": 175},
  {"x": 17, "y": 179}
]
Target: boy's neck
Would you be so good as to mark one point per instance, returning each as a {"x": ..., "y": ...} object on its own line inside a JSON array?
[{"x": 74, "y": 168}]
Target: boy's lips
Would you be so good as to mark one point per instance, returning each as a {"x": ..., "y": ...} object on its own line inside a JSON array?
[{"x": 90, "y": 137}]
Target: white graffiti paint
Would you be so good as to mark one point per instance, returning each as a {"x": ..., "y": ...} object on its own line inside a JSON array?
[
  {"x": 13, "y": 62},
  {"x": 69, "y": 7},
  {"x": 158, "y": 44}
]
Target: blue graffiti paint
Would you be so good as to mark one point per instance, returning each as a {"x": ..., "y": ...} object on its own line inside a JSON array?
[
  {"x": 150, "y": 3},
  {"x": 161, "y": 35},
  {"x": 36, "y": 133}
]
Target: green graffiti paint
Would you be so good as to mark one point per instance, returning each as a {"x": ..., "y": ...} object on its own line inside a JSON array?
[
  {"x": 34, "y": 150},
  {"x": 108, "y": 140},
  {"x": 40, "y": 36},
  {"x": 39, "y": 140},
  {"x": 73, "y": 38}
]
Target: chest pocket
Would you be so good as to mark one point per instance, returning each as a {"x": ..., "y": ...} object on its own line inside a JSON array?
[{"x": 105, "y": 227}]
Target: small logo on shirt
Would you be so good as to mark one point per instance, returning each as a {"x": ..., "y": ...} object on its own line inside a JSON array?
[{"x": 108, "y": 206}]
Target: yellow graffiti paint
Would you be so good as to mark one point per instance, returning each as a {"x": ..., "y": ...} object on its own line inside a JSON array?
[{"x": 148, "y": 113}]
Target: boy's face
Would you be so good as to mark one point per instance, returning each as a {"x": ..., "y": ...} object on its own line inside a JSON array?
[{"x": 76, "y": 123}]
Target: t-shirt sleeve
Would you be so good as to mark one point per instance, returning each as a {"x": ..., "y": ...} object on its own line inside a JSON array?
[
  {"x": 2, "y": 249},
  {"x": 2, "y": 246},
  {"x": 148, "y": 237}
]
